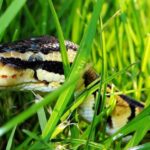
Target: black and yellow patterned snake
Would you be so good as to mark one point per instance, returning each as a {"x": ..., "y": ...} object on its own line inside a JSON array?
[{"x": 36, "y": 64}]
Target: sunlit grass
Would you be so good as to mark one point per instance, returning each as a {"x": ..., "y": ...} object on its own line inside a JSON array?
[{"x": 115, "y": 40}]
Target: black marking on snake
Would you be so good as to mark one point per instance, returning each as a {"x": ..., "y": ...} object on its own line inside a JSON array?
[
  {"x": 35, "y": 75},
  {"x": 132, "y": 115},
  {"x": 109, "y": 120},
  {"x": 131, "y": 101},
  {"x": 89, "y": 76},
  {"x": 43, "y": 44},
  {"x": 50, "y": 66}
]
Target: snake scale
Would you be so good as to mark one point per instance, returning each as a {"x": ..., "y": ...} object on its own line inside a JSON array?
[{"x": 35, "y": 64}]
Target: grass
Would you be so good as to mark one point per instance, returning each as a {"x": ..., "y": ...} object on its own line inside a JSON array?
[{"x": 114, "y": 37}]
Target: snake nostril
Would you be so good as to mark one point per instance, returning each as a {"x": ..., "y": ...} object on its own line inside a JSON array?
[{"x": 35, "y": 57}]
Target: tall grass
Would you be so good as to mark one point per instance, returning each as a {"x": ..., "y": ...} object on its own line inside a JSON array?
[{"x": 114, "y": 37}]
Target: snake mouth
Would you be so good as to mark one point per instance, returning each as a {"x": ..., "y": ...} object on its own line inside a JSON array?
[{"x": 27, "y": 76}]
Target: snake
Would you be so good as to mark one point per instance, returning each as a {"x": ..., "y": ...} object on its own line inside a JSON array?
[{"x": 36, "y": 64}]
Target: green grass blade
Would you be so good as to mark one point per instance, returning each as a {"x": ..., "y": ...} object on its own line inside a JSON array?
[
  {"x": 61, "y": 40},
  {"x": 103, "y": 77},
  {"x": 41, "y": 115},
  {"x": 145, "y": 146},
  {"x": 31, "y": 19},
  {"x": 80, "y": 62},
  {"x": 15, "y": 34},
  {"x": 9, "y": 144},
  {"x": 10, "y": 13},
  {"x": 145, "y": 60},
  {"x": 57, "y": 112},
  {"x": 37, "y": 138},
  {"x": 1, "y": 2},
  {"x": 83, "y": 142},
  {"x": 139, "y": 134}
]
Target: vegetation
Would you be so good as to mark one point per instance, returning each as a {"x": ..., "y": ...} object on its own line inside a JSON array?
[{"x": 114, "y": 36}]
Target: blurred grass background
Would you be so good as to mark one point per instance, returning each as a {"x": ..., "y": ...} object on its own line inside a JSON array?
[{"x": 125, "y": 26}]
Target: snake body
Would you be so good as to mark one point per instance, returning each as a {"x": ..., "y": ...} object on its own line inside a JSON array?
[{"x": 35, "y": 64}]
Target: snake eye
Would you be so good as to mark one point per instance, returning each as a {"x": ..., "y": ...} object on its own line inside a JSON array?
[{"x": 35, "y": 57}]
